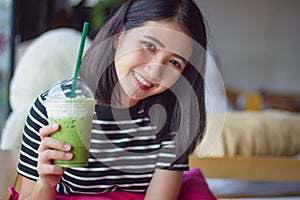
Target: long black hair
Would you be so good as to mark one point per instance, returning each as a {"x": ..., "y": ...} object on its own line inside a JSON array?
[{"x": 99, "y": 73}]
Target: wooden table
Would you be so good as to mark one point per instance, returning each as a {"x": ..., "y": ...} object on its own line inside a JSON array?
[
  {"x": 8, "y": 174},
  {"x": 249, "y": 168}
]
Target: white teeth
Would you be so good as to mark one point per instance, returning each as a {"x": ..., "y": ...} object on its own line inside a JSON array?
[{"x": 141, "y": 80}]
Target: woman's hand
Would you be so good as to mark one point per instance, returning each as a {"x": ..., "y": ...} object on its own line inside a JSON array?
[
  {"x": 49, "y": 174},
  {"x": 51, "y": 149}
]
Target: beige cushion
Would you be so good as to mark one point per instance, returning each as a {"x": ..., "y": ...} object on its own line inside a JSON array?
[{"x": 258, "y": 133}]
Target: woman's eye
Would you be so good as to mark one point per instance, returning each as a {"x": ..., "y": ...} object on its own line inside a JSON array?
[
  {"x": 150, "y": 46},
  {"x": 175, "y": 63}
]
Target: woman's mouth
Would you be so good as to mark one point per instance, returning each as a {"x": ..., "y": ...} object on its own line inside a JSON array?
[{"x": 141, "y": 82}]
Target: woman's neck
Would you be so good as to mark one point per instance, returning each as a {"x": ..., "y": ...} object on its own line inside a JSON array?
[{"x": 121, "y": 100}]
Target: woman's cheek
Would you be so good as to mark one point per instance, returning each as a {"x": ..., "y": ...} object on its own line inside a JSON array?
[
  {"x": 139, "y": 55},
  {"x": 169, "y": 77}
]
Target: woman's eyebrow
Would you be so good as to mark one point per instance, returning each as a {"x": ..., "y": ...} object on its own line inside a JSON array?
[{"x": 155, "y": 40}]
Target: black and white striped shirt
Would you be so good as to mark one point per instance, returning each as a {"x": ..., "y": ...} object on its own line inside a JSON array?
[{"x": 124, "y": 150}]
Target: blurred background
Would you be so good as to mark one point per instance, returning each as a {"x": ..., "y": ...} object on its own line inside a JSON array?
[
  {"x": 254, "y": 43},
  {"x": 23, "y": 22},
  {"x": 257, "y": 48}
]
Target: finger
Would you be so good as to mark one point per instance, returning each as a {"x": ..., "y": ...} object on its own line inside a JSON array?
[
  {"x": 48, "y": 130},
  {"x": 47, "y": 169},
  {"x": 51, "y": 143},
  {"x": 48, "y": 155}
]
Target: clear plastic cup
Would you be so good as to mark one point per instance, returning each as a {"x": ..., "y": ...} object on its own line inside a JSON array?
[{"x": 74, "y": 115}]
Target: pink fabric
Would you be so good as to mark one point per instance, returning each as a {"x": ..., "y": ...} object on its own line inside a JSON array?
[
  {"x": 120, "y": 195},
  {"x": 194, "y": 187},
  {"x": 13, "y": 194}
]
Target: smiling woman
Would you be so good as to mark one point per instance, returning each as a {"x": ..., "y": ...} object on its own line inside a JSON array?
[{"x": 145, "y": 67}]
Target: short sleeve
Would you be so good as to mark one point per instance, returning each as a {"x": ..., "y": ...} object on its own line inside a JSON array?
[
  {"x": 36, "y": 119},
  {"x": 169, "y": 160}
]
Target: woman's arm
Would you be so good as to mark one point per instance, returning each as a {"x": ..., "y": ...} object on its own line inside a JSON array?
[
  {"x": 31, "y": 188},
  {"x": 164, "y": 185},
  {"x": 26, "y": 188}
]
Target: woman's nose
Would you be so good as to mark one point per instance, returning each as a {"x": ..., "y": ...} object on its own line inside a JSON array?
[
  {"x": 154, "y": 71},
  {"x": 155, "y": 68}
]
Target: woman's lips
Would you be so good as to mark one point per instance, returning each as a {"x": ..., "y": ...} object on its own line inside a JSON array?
[{"x": 141, "y": 82}]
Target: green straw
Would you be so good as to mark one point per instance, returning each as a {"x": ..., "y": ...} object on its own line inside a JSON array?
[{"x": 83, "y": 36}]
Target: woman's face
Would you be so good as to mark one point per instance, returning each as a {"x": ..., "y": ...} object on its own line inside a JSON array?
[{"x": 150, "y": 59}]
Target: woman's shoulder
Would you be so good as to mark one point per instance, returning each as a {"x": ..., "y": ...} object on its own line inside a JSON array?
[{"x": 39, "y": 101}]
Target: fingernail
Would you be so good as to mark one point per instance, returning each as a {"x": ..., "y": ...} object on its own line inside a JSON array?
[
  {"x": 55, "y": 126},
  {"x": 68, "y": 155},
  {"x": 67, "y": 146}
]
